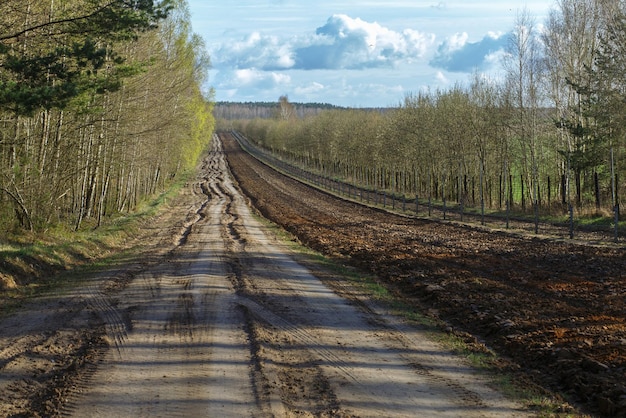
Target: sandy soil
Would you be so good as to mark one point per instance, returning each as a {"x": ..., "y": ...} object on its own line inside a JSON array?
[
  {"x": 555, "y": 308},
  {"x": 218, "y": 319}
]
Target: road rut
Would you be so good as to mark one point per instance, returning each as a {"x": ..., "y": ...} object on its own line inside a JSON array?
[{"x": 229, "y": 324}]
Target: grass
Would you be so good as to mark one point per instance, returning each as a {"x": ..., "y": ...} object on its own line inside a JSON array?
[{"x": 36, "y": 263}]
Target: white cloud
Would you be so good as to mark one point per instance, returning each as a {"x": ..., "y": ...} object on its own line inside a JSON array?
[
  {"x": 456, "y": 54},
  {"x": 309, "y": 89},
  {"x": 342, "y": 43},
  {"x": 455, "y": 42},
  {"x": 255, "y": 51},
  {"x": 253, "y": 78},
  {"x": 441, "y": 78},
  {"x": 247, "y": 76},
  {"x": 347, "y": 43}
]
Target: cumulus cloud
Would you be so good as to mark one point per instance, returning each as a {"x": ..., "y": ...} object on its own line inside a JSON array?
[
  {"x": 347, "y": 43},
  {"x": 341, "y": 43},
  {"x": 456, "y": 54},
  {"x": 251, "y": 77},
  {"x": 255, "y": 51}
]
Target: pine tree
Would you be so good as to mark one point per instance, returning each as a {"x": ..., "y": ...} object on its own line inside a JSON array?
[{"x": 61, "y": 50}]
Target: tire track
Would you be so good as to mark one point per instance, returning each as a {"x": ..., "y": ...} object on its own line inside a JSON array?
[
  {"x": 246, "y": 268},
  {"x": 267, "y": 379},
  {"x": 412, "y": 376},
  {"x": 174, "y": 311},
  {"x": 225, "y": 323}
]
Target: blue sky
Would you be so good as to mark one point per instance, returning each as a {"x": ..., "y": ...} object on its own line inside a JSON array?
[{"x": 351, "y": 53}]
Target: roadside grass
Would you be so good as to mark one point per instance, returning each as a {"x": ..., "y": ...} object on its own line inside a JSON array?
[
  {"x": 33, "y": 264},
  {"x": 501, "y": 373}
]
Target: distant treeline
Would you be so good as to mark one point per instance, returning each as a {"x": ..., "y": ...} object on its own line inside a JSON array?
[
  {"x": 264, "y": 110},
  {"x": 268, "y": 110}
]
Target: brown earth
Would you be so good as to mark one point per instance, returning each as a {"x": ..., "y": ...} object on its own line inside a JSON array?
[
  {"x": 555, "y": 309},
  {"x": 216, "y": 316}
]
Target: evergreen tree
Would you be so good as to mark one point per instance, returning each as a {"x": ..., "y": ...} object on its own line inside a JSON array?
[{"x": 62, "y": 50}]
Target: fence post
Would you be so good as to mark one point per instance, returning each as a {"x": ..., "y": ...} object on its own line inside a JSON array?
[
  {"x": 507, "y": 191},
  {"x": 616, "y": 222},
  {"x": 430, "y": 205},
  {"x": 461, "y": 208},
  {"x": 482, "y": 192},
  {"x": 521, "y": 177},
  {"x": 571, "y": 221},
  {"x": 615, "y": 188}
]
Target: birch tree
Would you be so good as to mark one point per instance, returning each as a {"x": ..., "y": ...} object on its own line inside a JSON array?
[
  {"x": 524, "y": 66},
  {"x": 134, "y": 116}
]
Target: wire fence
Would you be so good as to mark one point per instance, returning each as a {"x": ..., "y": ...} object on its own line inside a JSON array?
[{"x": 468, "y": 208}]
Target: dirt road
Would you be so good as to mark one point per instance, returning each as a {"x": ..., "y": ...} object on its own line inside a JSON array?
[{"x": 221, "y": 321}]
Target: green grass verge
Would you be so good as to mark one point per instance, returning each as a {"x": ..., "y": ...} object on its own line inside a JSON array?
[{"x": 36, "y": 263}]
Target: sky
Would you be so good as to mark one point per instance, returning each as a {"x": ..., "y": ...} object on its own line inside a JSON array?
[{"x": 368, "y": 53}]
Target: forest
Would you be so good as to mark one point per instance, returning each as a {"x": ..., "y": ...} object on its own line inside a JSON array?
[
  {"x": 547, "y": 137},
  {"x": 101, "y": 107},
  {"x": 265, "y": 110}
]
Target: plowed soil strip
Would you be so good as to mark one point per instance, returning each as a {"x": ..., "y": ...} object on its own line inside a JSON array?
[{"x": 556, "y": 308}]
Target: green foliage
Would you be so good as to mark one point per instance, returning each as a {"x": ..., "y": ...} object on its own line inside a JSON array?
[
  {"x": 33, "y": 88},
  {"x": 64, "y": 54},
  {"x": 96, "y": 121}
]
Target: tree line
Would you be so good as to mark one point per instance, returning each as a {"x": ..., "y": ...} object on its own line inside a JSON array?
[
  {"x": 549, "y": 135},
  {"x": 100, "y": 106},
  {"x": 226, "y": 111}
]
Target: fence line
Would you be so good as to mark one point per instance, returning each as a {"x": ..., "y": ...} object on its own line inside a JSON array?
[{"x": 437, "y": 207}]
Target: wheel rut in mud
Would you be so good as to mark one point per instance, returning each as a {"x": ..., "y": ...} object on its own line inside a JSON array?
[{"x": 218, "y": 319}]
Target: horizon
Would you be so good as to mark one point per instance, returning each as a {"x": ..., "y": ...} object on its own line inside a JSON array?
[{"x": 352, "y": 53}]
